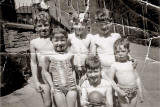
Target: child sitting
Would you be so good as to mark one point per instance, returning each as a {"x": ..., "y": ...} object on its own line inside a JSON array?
[
  {"x": 58, "y": 71},
  {"x": 127, "y": 77},
  {"x": 96, "y": 91}
]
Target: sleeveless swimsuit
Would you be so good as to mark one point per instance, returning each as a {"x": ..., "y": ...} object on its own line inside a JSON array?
[{"x": 63, "y": 77}]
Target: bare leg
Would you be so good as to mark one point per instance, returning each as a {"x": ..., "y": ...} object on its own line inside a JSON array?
[
  {"x": 132, "y": 104},
  {"x": 46, "y": 96},
  {"x": 60, "y": 99},
  {"x": 71, "y": 98},
  {"x": 124, "y": 104}
]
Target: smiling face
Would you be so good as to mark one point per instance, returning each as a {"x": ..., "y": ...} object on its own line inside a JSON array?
[
  {"x": 94, "y": 76},
  {"x": 43, "y": 28},
  {"x": 42, "y": 24},
  {"x": 60, "y": 43},
  {"x": 93, "y": 67}
]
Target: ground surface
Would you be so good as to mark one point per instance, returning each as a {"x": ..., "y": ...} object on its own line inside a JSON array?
[{"x": 27, "y": 96}]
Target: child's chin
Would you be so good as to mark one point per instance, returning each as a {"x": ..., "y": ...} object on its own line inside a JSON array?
[{"x": 122, "y": 60}]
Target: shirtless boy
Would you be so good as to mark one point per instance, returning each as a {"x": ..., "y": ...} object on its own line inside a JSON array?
[
  {"x": 127, "y": 77},
  {"x": 96, "y": 92},
  {"x": 39, "y": 47}
]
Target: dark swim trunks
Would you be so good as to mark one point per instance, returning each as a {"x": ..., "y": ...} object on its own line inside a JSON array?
[{"x": 131, "y": 93}]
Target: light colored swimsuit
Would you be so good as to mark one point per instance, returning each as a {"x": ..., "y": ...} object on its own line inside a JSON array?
[{"x": 63, "y": 77}]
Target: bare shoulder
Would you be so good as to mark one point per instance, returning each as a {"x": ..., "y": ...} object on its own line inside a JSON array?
[
  {"x": 71, "y": 35},
  {"x": 34, "y": 41},
  {"x": 116, "y": 35},
  {"x": 114, "y": 65},
  {"x": 106, "y": 82}
]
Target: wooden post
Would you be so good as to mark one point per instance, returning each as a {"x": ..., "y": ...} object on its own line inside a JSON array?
[{"x": 123, "y": 27}]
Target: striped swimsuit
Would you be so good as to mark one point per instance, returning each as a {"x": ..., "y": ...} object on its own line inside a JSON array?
[{"x": 63, "y": 77}]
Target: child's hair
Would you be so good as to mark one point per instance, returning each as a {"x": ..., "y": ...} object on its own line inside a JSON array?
[
  {"x": 92, "y": 62},
  {"x": 103, "y": 16},
  {"x": 120, "y": 42},
  {"x": 41, "y": 16},
  {"x": 58, "y": 31}
]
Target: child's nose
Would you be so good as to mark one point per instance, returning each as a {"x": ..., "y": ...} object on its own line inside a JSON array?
[
  {"x": 93, "y": 74},
  {"x": 120, "y": 54}
]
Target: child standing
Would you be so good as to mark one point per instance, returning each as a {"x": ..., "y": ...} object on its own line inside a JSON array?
[
  {"x": 103, "y": 43},
  {"x": 59, "y": 73},
  {"x": 96, "y": 92},
  {"x": 80, "y": 45},
  {"x": 103, "y": 46},
  {"x": 127, "y": 77},
  {"x": 39, "y": 47}
]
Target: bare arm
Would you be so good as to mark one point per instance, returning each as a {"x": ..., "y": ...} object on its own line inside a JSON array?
[
  {"x": 134, "y": 62},
  {"x": 45, "y": 68},
  {"x": 109, "y": 97},
  {"x": 84, "y": 99},
  {"x": 34, "y": 63},
  {"x": 114, "y": 85},
  {"x": 139, "y": 84}
]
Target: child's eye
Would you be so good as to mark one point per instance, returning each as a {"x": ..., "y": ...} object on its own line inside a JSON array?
[
  {"x": 117, "y": 51},
  {"x": 39, "y": 25},
  {"x": 62, "y": 40},
  {"x": 46, "y": 25},
  {"x": 96, "y": 71}
]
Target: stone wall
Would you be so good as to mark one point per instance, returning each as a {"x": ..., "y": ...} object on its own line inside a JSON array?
[
  {"x": 15, "y": 59},
  {"x": 16, "y": 40}
]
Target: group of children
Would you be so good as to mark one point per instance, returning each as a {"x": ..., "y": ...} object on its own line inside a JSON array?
[{"x": 82, "y": 67}]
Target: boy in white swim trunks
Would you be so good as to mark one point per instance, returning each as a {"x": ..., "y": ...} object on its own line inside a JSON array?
[{"x": 127, "y": 77}]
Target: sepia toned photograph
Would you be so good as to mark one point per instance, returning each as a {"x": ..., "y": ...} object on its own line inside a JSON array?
[{"x": 79, "y": 53}]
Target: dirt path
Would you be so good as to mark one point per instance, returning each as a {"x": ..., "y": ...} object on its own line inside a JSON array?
[{"x": 28, "y": 97}]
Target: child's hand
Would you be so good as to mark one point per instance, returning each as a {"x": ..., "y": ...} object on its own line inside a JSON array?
[
  {"x": 141, "y": 99},
  {"x": 134, "y": 63},
  {"x": 52, "y": 90},
  {"x": 39, "y": 87},
  {"x": 78, "y": 88},
  {"x": 122, "y": 93}
]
